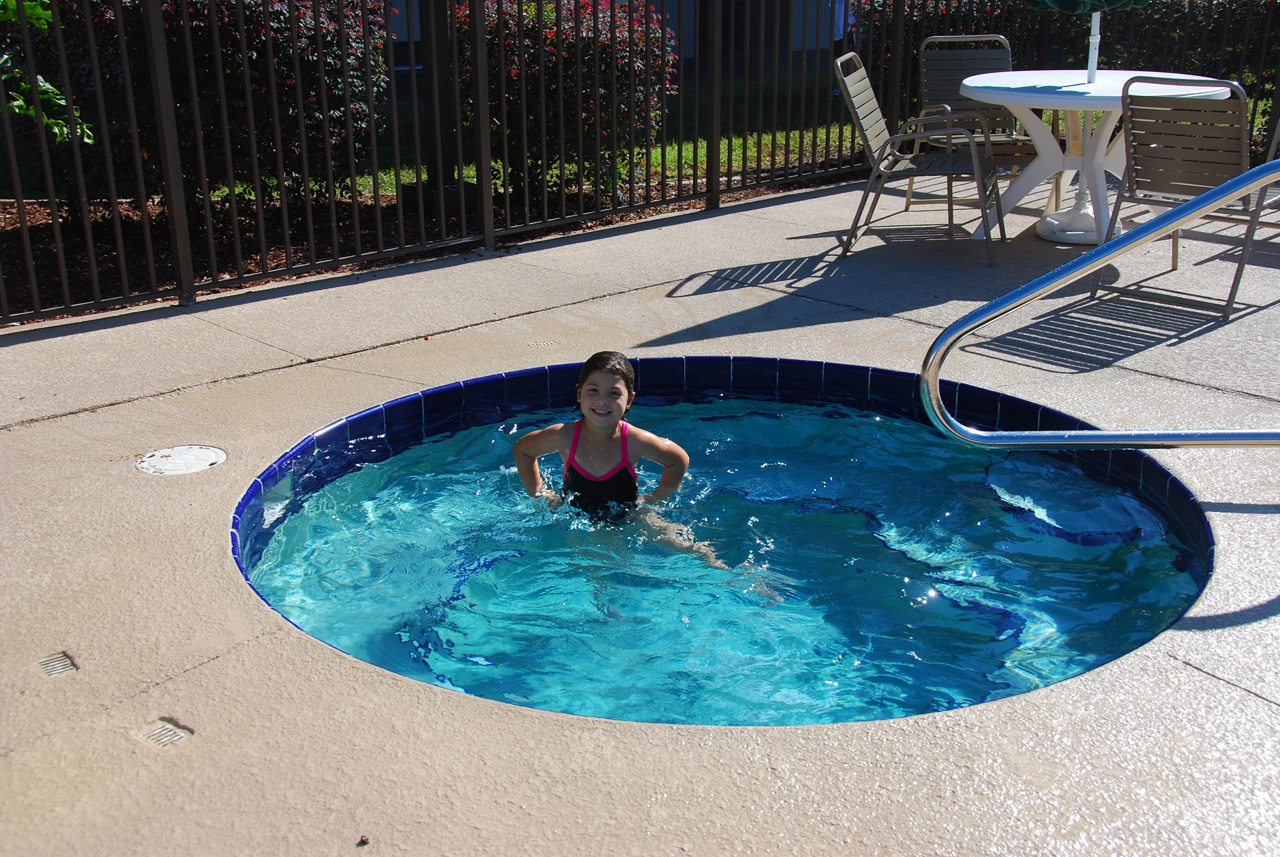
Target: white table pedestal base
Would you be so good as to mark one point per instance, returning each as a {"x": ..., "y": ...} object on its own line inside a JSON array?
[{"x": 1074, "y": 225}]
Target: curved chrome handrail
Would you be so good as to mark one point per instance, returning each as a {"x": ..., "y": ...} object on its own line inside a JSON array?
[{"x": 1253, "y": 180}]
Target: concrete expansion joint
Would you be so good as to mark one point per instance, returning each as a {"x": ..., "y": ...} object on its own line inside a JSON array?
[
  {"x": 1236, "y": 685},
  {"x": 244, "y": 335},
  {"x": 305, "y": 361},
  {"x": 153, "y": 685},
  {"x": 93, "y": 409}
]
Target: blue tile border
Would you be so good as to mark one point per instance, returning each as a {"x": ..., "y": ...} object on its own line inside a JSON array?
[
  {"x": 385, "y": 430},
  {"x": 753, "y": 378}
]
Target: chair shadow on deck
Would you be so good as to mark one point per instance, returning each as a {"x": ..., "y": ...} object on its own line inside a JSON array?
[
  {"x": 872, "y": 282},
  {"x": 1091, "y": 333}
]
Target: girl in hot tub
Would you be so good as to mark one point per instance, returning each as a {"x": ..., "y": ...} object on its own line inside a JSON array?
[{"x": 601, "y": 449}]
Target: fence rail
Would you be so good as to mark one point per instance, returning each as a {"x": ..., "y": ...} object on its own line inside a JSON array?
[{"x": 157, "y": 148}]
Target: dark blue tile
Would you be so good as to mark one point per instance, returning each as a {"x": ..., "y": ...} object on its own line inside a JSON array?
[
  {"x": 897, "y": 389},
  {"x": 976, "y": 407},
  {"x": 708, "y": 375},
  {"x": 1183, "y": 503},
  {"x": 297, "y": 458},
  {"x": 527, "y": 390},
  {"x": 800, "y": 378},
  {"x": 1052, "y": 420},
  {"x": 1126, "y": 467},
  {"x": 327, "y": 465},
  {"x": 367, "y": 431},
  {"x": 847, "y": 384},
  {"x": 754, "y": 377},
  {"x": 404, "y": 413},
  {"x": 562, "y": 384},
  {"x": 404, "y": 422},
  {"x": 489, "y": 392},
  {"x": 251, "y": 522},
  {"x": 1018, "y": 414},
  {"x": 332, "y": 436},
  {"x": 949, "y": 392},
  {"x": 1096, "y": 463},
  {"x": 270, "y": 477},
  {"x": 251, "y": 496},
  {"x": 441, "y": 409},
  {"x": 1194, "y": 528},
  {"x": 659, "y": 376},
  {"x": 1155, "y": 480},
  {"x": 371, "y": 422},
  {"x": 235, "y": 550}
]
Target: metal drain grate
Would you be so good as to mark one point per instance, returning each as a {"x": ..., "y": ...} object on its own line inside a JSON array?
[
  {"x": 543, "y": 343},
  {"x": 163, "y": 733},
  {"x": 59, "y": 664}
]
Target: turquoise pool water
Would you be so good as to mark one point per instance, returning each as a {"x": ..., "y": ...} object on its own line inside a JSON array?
[{"x": 874, "y": 570}]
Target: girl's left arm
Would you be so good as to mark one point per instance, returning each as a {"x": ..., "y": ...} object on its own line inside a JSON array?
[{"x": 674, "y": 461}]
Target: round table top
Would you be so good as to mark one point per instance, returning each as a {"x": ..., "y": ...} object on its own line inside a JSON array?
[{"x": 1067, "y": 89}]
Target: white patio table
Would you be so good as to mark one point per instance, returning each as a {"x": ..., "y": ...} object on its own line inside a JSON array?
[{"x": 1092, "y": 111}]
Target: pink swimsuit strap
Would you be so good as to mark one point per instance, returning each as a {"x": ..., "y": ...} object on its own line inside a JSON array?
[{"x": 573, "y": 453}]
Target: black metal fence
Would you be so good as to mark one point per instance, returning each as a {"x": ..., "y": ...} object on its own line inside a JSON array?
[{"x": 156, "y": 148}]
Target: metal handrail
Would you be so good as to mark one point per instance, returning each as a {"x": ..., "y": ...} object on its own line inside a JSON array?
[{"x": 1253, "y": 180}]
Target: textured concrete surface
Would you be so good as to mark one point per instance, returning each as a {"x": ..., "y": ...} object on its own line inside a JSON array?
[{"x": 298, "y": 749}]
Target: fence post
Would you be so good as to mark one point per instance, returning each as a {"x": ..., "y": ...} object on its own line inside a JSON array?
[
  {"x": 170, "y": 160},
  {"x": 484, "y": 155},
  {"x": 715, "y": 75},
  {"x": 893, "y": 99}
]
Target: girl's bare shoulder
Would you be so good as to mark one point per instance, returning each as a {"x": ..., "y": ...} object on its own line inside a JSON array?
[
  {"x": 548, "y": 439},
  {"x": 646, "y": 442}
]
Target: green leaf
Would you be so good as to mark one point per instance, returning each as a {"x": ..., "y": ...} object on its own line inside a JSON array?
[{"x": 37, "y": 11}]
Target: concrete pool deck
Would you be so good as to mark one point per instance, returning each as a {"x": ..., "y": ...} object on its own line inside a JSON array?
[{"x": 294, "y": 748}]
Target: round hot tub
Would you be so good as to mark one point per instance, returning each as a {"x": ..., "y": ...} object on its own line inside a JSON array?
[{"x": 829, "y": 558}]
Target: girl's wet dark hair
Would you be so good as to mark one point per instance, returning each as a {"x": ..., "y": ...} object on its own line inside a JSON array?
[{"x": 613, "y": 362}]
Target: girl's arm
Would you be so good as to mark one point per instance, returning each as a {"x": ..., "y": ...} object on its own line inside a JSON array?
[
  {"x": 668, "y": 453},
  {"x": 526, "y": 453}
]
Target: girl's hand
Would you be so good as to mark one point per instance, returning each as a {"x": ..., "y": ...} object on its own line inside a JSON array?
[{"x": 554, "y": 500}]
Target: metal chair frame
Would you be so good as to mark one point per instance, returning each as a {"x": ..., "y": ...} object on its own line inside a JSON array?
[
  {"x": 1177, "y": 148},
  {"x": 945, "y": 61},
  {"x": 954, "y": 151}
]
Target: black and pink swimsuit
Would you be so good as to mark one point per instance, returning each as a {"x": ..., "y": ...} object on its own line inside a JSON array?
[{"x": 607, "y": 497}]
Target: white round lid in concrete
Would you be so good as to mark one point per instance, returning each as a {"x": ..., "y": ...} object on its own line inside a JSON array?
[{"x": 181, "y": 460}]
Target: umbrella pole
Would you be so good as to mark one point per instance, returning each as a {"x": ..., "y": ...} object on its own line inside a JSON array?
[{"x": 1095, "y": 38}]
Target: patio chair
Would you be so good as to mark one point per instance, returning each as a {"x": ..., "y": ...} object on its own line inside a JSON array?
[
  {"x": 945, "y": 61},
  {"x": 964, "y": 152},
  {"x": 1178, "y": 148}
]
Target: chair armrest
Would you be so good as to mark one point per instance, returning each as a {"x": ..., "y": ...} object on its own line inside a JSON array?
[
  {"x": 891, "y": 146},
  {"x": 929, "y": 111},
  {"x": 950, "y": 116}
]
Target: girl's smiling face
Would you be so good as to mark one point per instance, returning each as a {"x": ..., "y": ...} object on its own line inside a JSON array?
[{"x": 604, "y": 398}]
